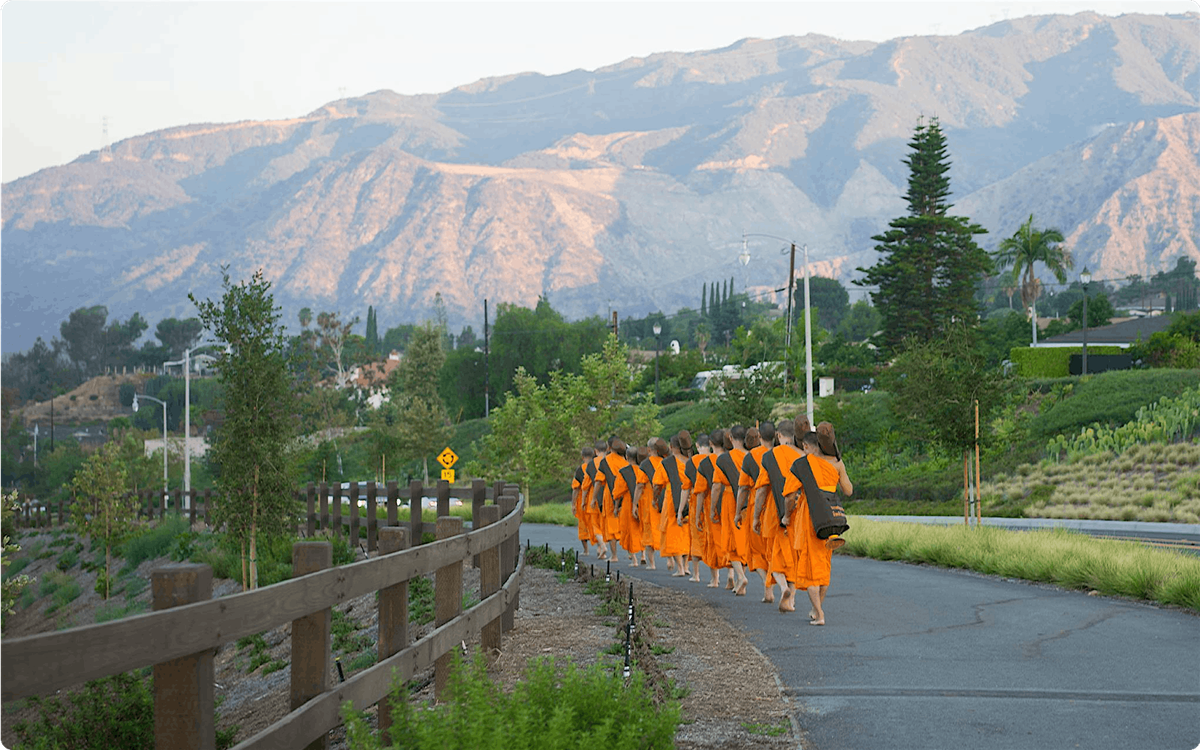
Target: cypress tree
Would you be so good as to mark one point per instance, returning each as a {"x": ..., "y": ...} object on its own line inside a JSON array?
[
  {"x": 704, "y": 301},
  {"x": 372, "y": 335},
  {"x": 929, "y": 264}
]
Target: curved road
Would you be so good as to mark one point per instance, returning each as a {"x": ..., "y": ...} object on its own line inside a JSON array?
[{"x": 926, "y": 658}]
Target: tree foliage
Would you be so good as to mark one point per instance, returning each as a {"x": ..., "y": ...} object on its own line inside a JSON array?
[
  {"x": 830, "y": 299},
  {"x": 104, "y": 508},
  {"x": 254, "y": 445},
  {"x": 1027, "y": 247},
  {"x": 929, "y": 264},
  {"x": 413, "y": 425},
  {"x": 536, "y": 435}
]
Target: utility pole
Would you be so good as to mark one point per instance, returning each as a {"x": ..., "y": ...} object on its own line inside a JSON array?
[
  {"x": 616, "y": 331},
  {"x": 487, "y": 404}
]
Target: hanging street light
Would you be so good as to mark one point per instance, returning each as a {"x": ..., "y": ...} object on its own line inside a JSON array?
[
  {"x": 164, "y": 408},
  {"x": 1085, "y": 278},
  {"x": 657, "y": 347}
]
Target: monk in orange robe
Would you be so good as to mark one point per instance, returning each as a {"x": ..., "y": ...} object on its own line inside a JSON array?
[
  {"x": 759, "y": 440},
  {"x": 595, "y": 515},
  {"x": 716, "y": 552},
  {"x": 643, "y": 505},
  {"x": 612, "y": 490},
  {"x": 770, "y": 511},
  {"x": 672, "y": 488},
  {"x": 814, "y": 557},
  {"x": 578, "y": 498},
  {"x": 726, "y": 480},
  {"x": 702, "y": 548}
]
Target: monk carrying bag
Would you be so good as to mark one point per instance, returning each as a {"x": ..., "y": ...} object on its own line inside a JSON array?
[{"x": 828, "y": 517}]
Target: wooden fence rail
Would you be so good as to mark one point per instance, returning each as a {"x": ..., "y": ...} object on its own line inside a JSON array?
[{"x": 39, "y": 664}]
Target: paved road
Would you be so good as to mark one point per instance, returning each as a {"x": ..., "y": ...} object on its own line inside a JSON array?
[{"x": 924, "y": 658}]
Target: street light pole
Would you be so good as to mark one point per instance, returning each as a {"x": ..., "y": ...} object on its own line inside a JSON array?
[
  {"x": 1086, "y": 278},
  {"x": 657, "y": 347},
  {"x": 164, "y": 408}
]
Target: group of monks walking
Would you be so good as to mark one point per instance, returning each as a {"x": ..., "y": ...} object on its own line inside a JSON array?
[{"x": 733, "y": 500}]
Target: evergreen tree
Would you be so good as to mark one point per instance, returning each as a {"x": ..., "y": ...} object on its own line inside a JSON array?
[
  {"x": 413, "y": 425},
  {"x": 372, "y": 335},
  {"x": 704, "y": 301},
  {"x": 929, "y": 264}
]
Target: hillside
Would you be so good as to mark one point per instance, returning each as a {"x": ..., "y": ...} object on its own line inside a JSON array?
[{"x": 628, "y": 185}]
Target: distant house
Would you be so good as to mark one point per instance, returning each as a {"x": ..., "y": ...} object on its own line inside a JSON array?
[
  {"x": 1122, "y": 334},
  {"x": 372, "y": 379}
]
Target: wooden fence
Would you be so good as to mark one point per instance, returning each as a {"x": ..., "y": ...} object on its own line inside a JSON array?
[
  {"x": 322, "y": 509},
  {"x": 180, "y": 637}
]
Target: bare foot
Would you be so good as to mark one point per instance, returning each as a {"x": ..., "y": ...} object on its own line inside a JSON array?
[
  {"x": 695, "y": 579},
  {"x": 812, "y": 615},
  {"x": 740, "y": 590},
  {"x": 768, "y": 598},
  {"x": 678, "y": 575},
  {"x": 729, "y": 584},
  {"x": 834, "y": 542},
  {"x": 713, "y": 585},
  {"x": 816, "y": 622}
]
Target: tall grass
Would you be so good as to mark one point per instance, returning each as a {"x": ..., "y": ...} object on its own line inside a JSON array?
[
  {"x": 559, "y": 514},
  {"x": 1058, "y": 556}
]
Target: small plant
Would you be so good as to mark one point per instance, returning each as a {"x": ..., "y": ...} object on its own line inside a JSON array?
[
  {"x": 114, "y": 611},
  {"x": 274, "y": 666},
  {"x": 420, "y": 600},
  {"x": 660, "y": 650},
  {"x": 362, "y": 661},
  {"x": 770, "y": 730}
]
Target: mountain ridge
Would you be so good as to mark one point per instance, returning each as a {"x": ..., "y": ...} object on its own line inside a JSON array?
[{"x": 627, "y": 186}]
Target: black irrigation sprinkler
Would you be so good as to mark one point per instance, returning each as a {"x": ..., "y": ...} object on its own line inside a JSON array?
[{"x": 341, "y": 674}]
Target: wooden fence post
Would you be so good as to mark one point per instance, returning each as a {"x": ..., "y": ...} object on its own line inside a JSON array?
[
  {"x": 310, "y": 497},
  {"x": 178, "y": 495},
  {"x": 191, "y": 507},
  {"x": 393, "y": 496},
  {"x": 311, "y": 635},
  {"x": 393, "y": 612},
  {"x": 443, "y": 498},
  {"x": 335, "y": 499},
  {"x": 183, "y": 687},
  {"x": 489, "y": 581},
  {"x": 355, "y": 496},
  {"x": 508, "y": 558},
  {"x": 372, "y": 517},
  {"x": 323, "y": 491},
  {"x": 497, "y": 491},
  {"x": 478, "y": 498},
  {"x": 208, "y": 507},
  {"x": 447, "y": 599},
  {"x": 415, "y": 507}
]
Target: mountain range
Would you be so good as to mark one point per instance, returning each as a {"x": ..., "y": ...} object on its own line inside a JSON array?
[{"x": 630, "y": 186}]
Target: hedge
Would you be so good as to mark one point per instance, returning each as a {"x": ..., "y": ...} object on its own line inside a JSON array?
[{"x": 1051, "y": 361}]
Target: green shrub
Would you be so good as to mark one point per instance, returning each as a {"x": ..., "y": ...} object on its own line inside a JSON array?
[
  {"x": 153, "y": 541},
  {"x": 113, "y": 713},
  {"x": 1051, "y": 361},
  {"x": 549, "y": 708},
  {"x": 67, "y": 560},
  {"x": 16, "y": 566},
  {"x": 420, "y": 600},
  {"x": 1111, "y": 399},
  {"x": 114, "y": 611},
  {"x": 362, "y": 661}
]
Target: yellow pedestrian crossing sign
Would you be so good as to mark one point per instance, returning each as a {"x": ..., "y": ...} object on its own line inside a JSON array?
[
  {"x": 447, "y": 458},
  {"x": 448, "y": 475}
]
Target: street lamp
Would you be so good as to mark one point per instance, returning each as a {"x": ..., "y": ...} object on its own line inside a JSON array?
[
  {"x": 187, "y": 419},
  {"x": 1085, "y": 278},
  {"x": 807, "y": 318},
  {"x": 164, "y": 407},
  {"x": 657, "y": 347}
]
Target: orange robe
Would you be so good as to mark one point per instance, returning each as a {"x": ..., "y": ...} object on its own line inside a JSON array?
[
  {"x": 735, "y": 541},
  {"x": 814, "y": 562},
  {"x": 759, "y": 555},
  {"x": 699, "y": 525},
  {"x": 583, "y": 527},
  {"x": 648, "y": 515},
  {"x": 675, "y": 539},
  {"x": 611, "y": 487},
  {"x": 620, "y": 481},
  {"x": 783, "y": 554},
  {"x": 595, "y": 516}
]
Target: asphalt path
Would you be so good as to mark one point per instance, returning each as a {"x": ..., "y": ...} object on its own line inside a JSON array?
[{"x": 922, "y": 657}]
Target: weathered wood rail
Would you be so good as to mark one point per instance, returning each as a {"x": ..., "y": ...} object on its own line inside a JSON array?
[{"x": 180, "y": 637}]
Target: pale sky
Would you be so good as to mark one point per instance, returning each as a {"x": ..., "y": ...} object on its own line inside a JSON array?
[{"x": 152, "y": 65}]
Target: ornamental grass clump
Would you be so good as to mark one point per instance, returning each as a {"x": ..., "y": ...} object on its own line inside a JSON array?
[
  {"x": 1057, "y": 556},
  {"x": 551, "y": 708}
]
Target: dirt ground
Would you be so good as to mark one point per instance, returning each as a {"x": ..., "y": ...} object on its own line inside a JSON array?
[{"x": 731, "y": 697}]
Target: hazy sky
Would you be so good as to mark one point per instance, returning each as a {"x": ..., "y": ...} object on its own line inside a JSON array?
[{"x": 152, "y": 65}]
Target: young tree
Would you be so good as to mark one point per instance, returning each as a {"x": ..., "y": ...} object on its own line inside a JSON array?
[
  {"x": 829, "y": 297},
  {"x": 255, "y": 444},
  {"x": 935, "y": 384},
  {"x": 1028, "y": 246},
  {"x": 13, "y": 585},
  {"x": 929, "y": 264},
  {"x": 103, "y": 508},
  {"x": 177, "y": 335},
  {"x": 413, "y": 425}
]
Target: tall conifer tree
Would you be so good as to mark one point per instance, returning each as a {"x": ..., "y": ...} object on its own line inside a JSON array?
[
  {"x": 372, "y": 335},
  {"x": 704, "y": 301},
  {"x": 929, "y": 265}
]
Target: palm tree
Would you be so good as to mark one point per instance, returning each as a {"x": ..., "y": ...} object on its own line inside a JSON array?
[{"x": 1027, "y": 246}]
